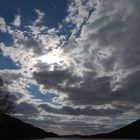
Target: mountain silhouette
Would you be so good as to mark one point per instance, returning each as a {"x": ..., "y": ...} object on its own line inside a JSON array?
[
  {"x": 130, "y": 131},
  {"x": 12, "y": 128}
]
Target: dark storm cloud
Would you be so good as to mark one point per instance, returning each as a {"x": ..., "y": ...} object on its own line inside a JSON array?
[
  {"x": 51, "y": 78},
  {"x": 92, "y": 91},
  {"x": 54, "y": 79},
  {"x": 9, "y": 76},
  {"x": 33, "y": 44},
  {"x": 90, "y": 111},
  {"x": 26, "y": 108},
  {"x": 130, "y": 88},
  {"x": 50, "y": 109},
  {"x": 86, "y": 111}
]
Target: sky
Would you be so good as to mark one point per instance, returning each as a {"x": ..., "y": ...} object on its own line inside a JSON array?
[{"x": 72, "y": 66}]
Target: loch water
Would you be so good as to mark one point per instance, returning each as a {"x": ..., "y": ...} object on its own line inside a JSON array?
[{"x": 83, "y": 139}]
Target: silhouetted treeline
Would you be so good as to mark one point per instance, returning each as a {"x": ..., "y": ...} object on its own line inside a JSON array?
[{"x": 6, "y": 105}]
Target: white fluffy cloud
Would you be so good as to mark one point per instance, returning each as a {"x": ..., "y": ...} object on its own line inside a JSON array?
[
  {"x": 17, "y": 21},
  {"x": 2, "y": 25}
]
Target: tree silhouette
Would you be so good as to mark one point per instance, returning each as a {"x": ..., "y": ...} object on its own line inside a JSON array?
[{"x": 6, "y": 105}]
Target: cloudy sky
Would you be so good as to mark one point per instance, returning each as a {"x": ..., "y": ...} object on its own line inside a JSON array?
[{"x": 72, "y": 66}]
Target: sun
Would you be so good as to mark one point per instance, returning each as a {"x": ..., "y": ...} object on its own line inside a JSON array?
[
  {"x": 50, "y": 58},
  {"x": 53, "y": 57}
]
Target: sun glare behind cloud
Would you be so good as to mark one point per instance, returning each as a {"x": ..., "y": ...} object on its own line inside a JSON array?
[{"x": 50, "y": 58}]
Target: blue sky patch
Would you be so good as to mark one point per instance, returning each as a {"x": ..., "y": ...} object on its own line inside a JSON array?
[
  {"x": 56, "y": 10},
  {"x": 6, "y": 39},
  {"x": 7, "y": 63},
  {"x": 34, "y": 90}
]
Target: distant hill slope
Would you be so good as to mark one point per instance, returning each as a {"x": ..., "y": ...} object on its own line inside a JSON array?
[
  {"x": 130, "y": 131},
  {"x": 12, "y": 129}
]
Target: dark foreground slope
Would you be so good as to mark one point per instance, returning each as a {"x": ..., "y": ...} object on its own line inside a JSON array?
[
  {"x": 13, "y": 129},
  {"x": 130, "y": 131}
]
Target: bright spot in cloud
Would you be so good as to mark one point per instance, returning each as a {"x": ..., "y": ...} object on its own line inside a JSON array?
[{"x": 50, "y": 58}]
